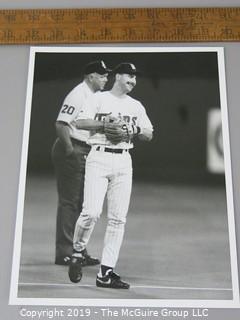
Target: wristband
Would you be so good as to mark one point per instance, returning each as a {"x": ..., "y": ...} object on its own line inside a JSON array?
[{"x": 136, "y": 130}]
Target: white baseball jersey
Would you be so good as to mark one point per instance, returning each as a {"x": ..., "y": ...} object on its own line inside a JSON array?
[
  {"x": 72, "y": 108},
  {"x": 128, "y": 109},
  {"x": 108, "y": 172}
]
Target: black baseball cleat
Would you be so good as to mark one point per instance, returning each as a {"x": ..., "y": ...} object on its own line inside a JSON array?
[
  {"x": 75, "y": 269},
  {"x": 88, "y": 260},
  {"x": 111, "y": 280},
  {"x": 63, "y": 261}
]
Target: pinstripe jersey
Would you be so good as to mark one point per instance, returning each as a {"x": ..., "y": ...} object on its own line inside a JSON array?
[{"x": 126, "y": 108}]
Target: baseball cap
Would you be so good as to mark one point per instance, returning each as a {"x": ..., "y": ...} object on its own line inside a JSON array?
[
  {"x": 96, "y": 66},
  {"x": 126, "y": 67}
]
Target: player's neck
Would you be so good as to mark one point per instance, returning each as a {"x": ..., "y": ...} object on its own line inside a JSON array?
[
  {"x": 117, "y": 91},
  {"x": 89, "y": 84}
]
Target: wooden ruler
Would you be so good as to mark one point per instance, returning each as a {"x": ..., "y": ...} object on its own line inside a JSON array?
[{"x": 59, "y": 26}]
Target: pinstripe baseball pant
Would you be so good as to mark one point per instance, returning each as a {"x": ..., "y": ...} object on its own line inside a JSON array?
[{"x": 111, "y": 174}]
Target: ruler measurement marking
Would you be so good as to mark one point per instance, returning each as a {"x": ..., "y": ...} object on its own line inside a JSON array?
[{"x": 119, "y": 24}]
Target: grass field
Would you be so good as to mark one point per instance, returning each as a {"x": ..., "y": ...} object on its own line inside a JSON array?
[{"x": 175, "y": 246}]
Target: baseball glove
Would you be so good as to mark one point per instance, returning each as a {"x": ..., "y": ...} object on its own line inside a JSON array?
[{"x": 115, "y": 130}]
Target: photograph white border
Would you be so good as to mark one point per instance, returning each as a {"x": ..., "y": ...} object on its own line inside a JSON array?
[{"x": 14, "y": 300}]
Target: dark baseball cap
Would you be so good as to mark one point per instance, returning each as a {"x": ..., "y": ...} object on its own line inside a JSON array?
[
  {"x": 96, "y": 66},
  {"x": 125, "y": 67}
]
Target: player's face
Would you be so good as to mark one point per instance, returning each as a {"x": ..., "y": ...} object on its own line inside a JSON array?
[
  {"x": 99, "y": 81},
  {"x": 127, "y": 82}
]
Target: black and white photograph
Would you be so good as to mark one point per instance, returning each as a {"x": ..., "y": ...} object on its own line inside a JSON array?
[{"x": 125, "y": 193}]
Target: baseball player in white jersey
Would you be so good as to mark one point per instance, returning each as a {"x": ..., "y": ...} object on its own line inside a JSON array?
[
  {"x": 109, "y": 171},
  {"x": 69, "y": 155}
]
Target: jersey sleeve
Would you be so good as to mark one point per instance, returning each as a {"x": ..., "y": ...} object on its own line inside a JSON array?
[
  {"x": 143, "y": 120},
  {"x": 72, "y": 106}
]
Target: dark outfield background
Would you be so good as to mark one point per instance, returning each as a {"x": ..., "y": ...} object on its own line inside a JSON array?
[{"x": 177, "y": 90}]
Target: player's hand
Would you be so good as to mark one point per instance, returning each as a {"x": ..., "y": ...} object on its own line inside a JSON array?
[{"x": 115, "y": 130}]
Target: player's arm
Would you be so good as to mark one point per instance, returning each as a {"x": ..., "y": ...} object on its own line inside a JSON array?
[
  {"x": 144, "y": 126},
  {"x": 63, "y": 133},
  {"x": 70, "y": 108},
  {"x": 145, "y": 134},
  {"x": 86, "y": 119},
  {"x": 89, "y": 124}
]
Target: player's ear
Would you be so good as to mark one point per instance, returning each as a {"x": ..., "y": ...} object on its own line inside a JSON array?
[
  {"x": 90, "y": 77},
  {"x": 117, "y": 76}
]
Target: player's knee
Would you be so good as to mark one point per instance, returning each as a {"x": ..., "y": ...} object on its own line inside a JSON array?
[
  {"x": 117, "y": 223},
  {"x": 90, "y": 215},
  {"x": 67, "y": 204},
  {"x": 85, "y": 221}
]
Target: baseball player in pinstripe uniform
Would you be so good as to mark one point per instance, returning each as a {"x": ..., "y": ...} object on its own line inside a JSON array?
[
  {"x": 69, "y": 153},
  {"x": 109, "y": 171}
]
